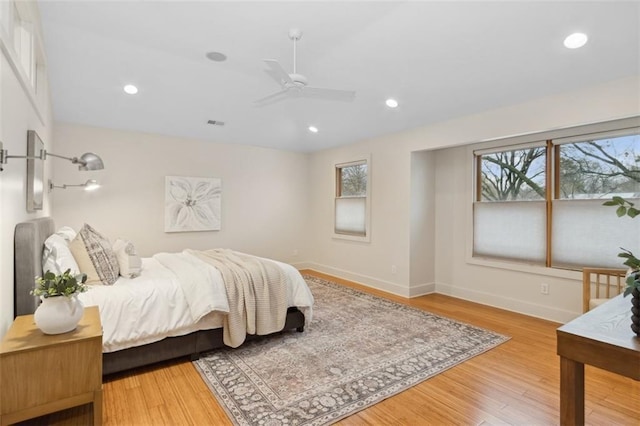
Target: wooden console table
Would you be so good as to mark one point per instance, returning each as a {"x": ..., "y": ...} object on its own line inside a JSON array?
[{"x": 602, "y": 338}]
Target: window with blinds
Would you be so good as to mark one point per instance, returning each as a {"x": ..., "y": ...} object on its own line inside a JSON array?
[
  {"x": 542, "y": 202},
  {"x": 509, "y": 214},
  {"x": 351, "y": 201}
]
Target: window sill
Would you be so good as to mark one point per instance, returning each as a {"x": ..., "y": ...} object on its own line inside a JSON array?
[
  {"x": 365, "y": 239},
  {"x": 525, "y": 268}
]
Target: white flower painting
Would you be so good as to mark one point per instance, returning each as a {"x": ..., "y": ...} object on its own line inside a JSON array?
[{"x": 192, "y": 204}]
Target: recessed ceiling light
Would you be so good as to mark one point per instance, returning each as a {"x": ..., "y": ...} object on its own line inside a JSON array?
[
  {"x": 313, "y": 129},
  {"x": 216, "y": 56},
  {"x": 130, "y": 89},
  {"x": 392, "y": 103},
  {"x": 575, "y": 40}
]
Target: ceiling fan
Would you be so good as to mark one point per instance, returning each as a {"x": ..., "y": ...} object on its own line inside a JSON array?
[{"x": 295, "y": 85}]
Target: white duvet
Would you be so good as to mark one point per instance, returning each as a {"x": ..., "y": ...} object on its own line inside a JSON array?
[{"x": 160, "y": 303}]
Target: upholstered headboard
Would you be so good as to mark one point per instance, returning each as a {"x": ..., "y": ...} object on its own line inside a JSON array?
[{"x": 28, "y": 244}]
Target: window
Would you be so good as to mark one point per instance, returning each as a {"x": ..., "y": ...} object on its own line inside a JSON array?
[
  {"x": 23, "y": 44},
  {"x": 6, "y": 14},
  {"x": 509, "y": 217},
  {"x": 351, "y": 203},
  {"x": 542, "y": 202}
]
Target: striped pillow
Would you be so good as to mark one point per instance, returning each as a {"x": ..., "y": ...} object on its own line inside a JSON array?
[{"x": 95, "y": 257}]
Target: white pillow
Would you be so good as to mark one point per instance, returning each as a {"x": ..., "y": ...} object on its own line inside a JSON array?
[
  {"x": 67, "y": 233},
  {"x": 56, "y": 256},
  {"x": 128, "y": 260}
]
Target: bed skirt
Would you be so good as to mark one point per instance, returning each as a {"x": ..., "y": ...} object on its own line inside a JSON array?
[{"x": 191, "y": 345}]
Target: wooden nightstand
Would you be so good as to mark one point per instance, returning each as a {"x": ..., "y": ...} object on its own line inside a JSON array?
[{"x": 41, "y": 374}]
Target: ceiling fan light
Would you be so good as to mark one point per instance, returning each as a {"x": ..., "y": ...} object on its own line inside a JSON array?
[{"x": 313, "y": 129}]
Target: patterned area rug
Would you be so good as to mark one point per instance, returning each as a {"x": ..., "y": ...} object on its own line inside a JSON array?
[{"x": 358, "y": 350}]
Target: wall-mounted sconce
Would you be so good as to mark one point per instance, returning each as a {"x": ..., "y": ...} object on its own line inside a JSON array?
[
  {"x": 35, "y": 168},
  {"x": 87, "y": 161},
  {"x": 90, "y": 185}
]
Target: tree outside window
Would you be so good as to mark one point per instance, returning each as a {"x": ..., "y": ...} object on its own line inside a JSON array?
[
  {"x": 514, "y": 175},
  {"x": 600, "y": 168}
]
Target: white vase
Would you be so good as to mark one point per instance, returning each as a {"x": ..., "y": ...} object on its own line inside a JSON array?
[{"x": 58, "y": 314}]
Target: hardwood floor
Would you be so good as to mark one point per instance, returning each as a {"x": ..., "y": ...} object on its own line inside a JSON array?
[{"x": 515, "y": 383}]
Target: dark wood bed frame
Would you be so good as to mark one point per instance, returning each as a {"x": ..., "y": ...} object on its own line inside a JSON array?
[{"x": 28, "y": 243}]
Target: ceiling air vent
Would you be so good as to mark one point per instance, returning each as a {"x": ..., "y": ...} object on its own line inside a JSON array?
[{"x": 216, "y": 122}]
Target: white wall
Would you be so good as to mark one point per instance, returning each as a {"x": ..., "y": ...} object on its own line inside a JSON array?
[
  {"x": 17, "y": 115},
  {"x": 422, "y": 232},
  {"x": 370, "y": 262},
  {"x": 392, "y": 241},
  {"x": 264, "y": 191}
]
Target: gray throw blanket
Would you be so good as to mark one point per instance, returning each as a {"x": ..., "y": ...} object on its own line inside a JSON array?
[{"x": 256, "y": 291}]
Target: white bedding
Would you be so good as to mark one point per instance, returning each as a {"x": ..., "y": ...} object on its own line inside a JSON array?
[{"x": 146, "y": 309}]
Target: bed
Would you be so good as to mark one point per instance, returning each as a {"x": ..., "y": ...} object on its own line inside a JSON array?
[{"x": 122, "y": 353}]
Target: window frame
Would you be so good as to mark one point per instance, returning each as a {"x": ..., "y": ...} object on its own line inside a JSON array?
[
  {"x": 366, "y": 238},
  {"x": 553, "y": 140},
  {"x": 32, "y": 74}
]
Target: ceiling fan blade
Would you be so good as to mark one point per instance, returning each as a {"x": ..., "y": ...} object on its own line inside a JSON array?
[
  {"x": 295, "y": 85},
  {"x": 333, "y": 94},
  {"x": 278, "y": 73},
  {"x": 274, "y": 97}
]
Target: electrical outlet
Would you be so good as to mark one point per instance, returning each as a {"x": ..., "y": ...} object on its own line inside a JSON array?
[
  {"x": 544, "y": 288},
  {"x": 394, "y": 269}
]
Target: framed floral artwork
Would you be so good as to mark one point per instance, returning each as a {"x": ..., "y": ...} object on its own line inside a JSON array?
[{"x": 192, "y": 204}]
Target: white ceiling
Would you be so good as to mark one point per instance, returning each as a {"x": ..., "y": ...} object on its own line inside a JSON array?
[{"x": 440, "y": 60}]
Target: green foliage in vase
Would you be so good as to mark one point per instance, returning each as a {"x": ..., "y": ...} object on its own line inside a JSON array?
[
  {"x": 626, "y": 208},
  {"x": 65, "y": 284},
  {"x": 633, "y": 282}
]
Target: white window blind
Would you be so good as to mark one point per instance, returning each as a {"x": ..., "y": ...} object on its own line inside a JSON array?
[
  {"x": 350, "y": 215},
  {"x": 513, "y": 230},
  {"x": 586, "y": 233}
]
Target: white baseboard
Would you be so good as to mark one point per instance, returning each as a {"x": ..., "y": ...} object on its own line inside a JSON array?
[
  {"x": 489, "y": 299},
  {"x": 302, "y": 265},
  {"x": 422, "y": 289},
  {"x": 365, "y": 280},
  {"x": 508, "y": 304}
]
